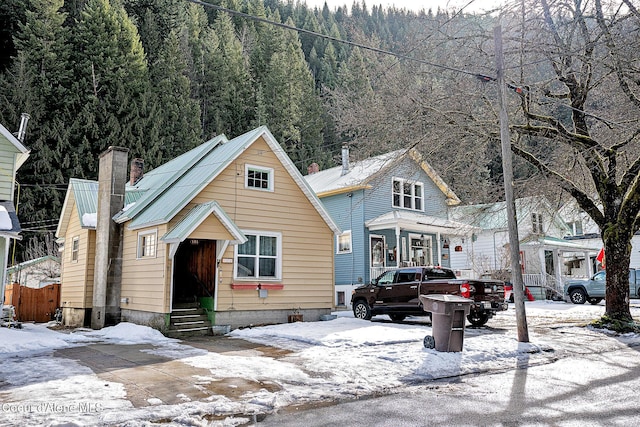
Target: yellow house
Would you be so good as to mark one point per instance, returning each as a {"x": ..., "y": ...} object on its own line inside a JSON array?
[{"x": 230, "y": 227}]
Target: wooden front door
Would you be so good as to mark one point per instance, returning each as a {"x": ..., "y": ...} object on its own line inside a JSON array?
[{"x": 194, "y": 273}]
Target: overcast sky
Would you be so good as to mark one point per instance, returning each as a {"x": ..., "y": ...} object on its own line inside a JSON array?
[{"x": 415, "y": 5}]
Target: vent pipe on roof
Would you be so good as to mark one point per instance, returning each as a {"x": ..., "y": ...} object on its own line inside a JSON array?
[
  {"x": 345, "y": 159},
  {"x": 22, "y": 131}
]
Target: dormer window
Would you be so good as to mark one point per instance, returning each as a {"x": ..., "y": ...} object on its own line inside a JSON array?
[
  {"x": 258, "y": 178},
  {"x": 407, "y": 194},
  {"x": 536, "y": 223},
  {"x": 576, "y": 228}
]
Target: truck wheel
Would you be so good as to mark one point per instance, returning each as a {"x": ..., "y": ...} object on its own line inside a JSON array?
[
  {"x": 397, "y": 317},
  {"x": 478, "y": 319},
  {"x": 595, "y": 301},
  {"x": 577, "y": 296},
  {"x": 361, "y": 310}
]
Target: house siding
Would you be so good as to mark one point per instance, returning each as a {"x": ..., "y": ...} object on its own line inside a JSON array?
[
  {"x": 307, "y": 241},
  {"x": 379, "y": 196},
  {"x": 77, "y": 277},
  {"x": 7, "y": 164},
  {"x": 145, "y": 281},
  {"x": 348, "y": 213}
]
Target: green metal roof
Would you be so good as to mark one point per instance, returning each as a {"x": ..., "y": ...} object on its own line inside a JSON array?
[
  {"x": 85, "y": 193},
  {"x": 167, "y": 189},
  {"x": 29, "y": 263},
  {"x": 164, "y": 191},
  {"x": 195, "y": 217}
]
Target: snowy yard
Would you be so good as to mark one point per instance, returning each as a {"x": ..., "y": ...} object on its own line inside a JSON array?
[{"x": 339, "y": 359}]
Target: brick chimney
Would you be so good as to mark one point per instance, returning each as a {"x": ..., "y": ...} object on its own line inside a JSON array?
[
  {"x": 137, "y": 171},
  {"x": 313, "y": 168}
]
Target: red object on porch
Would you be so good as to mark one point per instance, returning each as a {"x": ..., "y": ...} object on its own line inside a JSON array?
[
  {"x": 600, "y": 257},
  {"x": 530, "y": 297}
]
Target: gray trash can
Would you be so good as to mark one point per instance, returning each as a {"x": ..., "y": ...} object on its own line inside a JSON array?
[{"x": 448, "y": 318}]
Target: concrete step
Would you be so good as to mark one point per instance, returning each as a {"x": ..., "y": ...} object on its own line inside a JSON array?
[{"x": 188, "y": 320}]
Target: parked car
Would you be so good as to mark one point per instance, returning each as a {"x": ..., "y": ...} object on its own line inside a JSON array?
[
  {"x": 580, "y": 291},
  {"x": 397, "y": 294}
]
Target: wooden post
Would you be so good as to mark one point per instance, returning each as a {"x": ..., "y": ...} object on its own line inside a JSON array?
[{"x": 507, "y": 170}]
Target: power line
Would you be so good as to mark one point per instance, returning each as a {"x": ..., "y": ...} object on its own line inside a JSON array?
[{"x": 337, "y": 40}]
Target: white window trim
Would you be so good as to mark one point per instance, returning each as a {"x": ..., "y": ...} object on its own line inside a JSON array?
[
  {"x": 143, "y": 234},
  {"x": 344, "y": 234},
  {"x": 278, "y": 276},
  {"x": 413, "y": 196},
  {"x": 268, "y": 170},
  {"x": 75, "y": 251}
]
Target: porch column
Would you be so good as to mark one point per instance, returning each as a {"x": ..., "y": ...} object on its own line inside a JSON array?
[
  {"x": 587, "y": 266},
  {"x": 557, "y": 261},
  {"x": 543, "y": 266},
  {"x": 399, "y": 253},
  {"x": 438, "y": 247}
]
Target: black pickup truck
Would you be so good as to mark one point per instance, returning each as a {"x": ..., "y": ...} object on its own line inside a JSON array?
[{"x": 396, "y": 293}]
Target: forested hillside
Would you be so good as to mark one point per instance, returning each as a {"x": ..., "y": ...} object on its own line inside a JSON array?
[{"x": 161, "y": 76}]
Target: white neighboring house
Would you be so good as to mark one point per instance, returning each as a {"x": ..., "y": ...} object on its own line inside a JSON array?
[
  {"x": 35, "y": 273},
  {"x": 587, "y": 233},
  {"x": 544, "y": 250}
]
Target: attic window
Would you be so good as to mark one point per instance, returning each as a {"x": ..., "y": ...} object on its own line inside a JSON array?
[
  {"x": 259, "y": 178},
  {"x": 536, "y": 223},
  {"x": 407, "y": 194}
]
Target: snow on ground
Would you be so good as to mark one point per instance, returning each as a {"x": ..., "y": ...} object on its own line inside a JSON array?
[{"x": 330, "y": 360}]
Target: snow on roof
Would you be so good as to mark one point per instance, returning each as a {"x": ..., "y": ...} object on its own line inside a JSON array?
[{"x": 358, "y": 174}]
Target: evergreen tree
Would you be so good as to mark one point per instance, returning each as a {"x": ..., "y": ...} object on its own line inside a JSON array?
[
  {"x": 37, "y": 83},
  {"x": 295, "y": 115},
  {"x": 111, "y": 85},
  {"x": 227, "y": 84},
  {"x": 179, "y": 114}
]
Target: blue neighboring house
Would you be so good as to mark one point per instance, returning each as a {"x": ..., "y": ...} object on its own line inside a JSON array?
[{"x": 393, "y": 210}]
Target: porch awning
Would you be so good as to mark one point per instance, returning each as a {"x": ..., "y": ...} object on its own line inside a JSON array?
[
  {"x": 414, "y": 221},
  {"x": 9, "y": 224},
  {"x": 556, "y": 243},
  {"x": 196, "y": 216}
]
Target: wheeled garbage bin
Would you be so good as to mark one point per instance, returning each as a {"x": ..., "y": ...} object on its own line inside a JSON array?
[{"x": 448, "y": 317}]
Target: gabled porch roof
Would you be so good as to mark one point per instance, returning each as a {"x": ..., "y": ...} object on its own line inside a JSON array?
[
  {"x": 420, "y": 223},
  {"x": 196, "y": 216},
  {"x": 562, "y": 245}
]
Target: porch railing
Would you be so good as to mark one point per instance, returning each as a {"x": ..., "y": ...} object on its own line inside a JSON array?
[
  {"x": 376, "y": 271},
  {"x": 552, "y": 288}
]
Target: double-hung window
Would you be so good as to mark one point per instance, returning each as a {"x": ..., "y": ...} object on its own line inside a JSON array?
[
  {"x": 407, "y": 194},
  {"x": 344, "y": 243},
  {"x": 260, "y": 257},
  {"x": 75, "y": 249},
  {"x": 147, "y": 244},
  {"x": 536, "y": 223}
]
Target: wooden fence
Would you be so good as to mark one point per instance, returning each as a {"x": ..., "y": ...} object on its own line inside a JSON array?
[{"x": 33, "y": 304}]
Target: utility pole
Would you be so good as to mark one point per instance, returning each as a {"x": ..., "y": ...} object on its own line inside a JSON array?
[{"x": 507, "y": 170}]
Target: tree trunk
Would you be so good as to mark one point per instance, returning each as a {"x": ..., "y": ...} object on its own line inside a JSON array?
[{"x": 617, "y": 249}]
